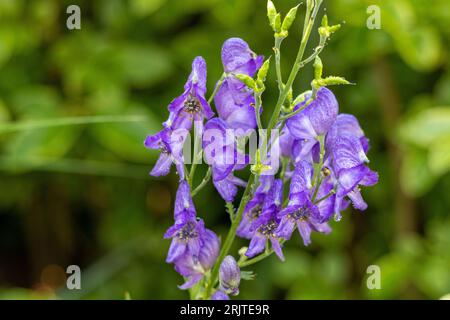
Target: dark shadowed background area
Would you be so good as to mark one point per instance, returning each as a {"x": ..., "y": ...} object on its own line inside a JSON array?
[{"x": 81, "y": 194}]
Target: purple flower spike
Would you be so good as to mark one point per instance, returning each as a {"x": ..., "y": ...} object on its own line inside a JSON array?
[
  {"x": 301, "y": 212},
  {"x": 219, "y": 295},
  {"x": 191, "y": 105},
  {"x": 230, "y": 276},
  {"x": 314, "y": 120},
  {"x": 267, "y": 224},
  {"x": 170, "y": 143}
]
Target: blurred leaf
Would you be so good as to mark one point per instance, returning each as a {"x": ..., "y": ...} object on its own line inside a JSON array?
[{"x": 415, "y": 175}]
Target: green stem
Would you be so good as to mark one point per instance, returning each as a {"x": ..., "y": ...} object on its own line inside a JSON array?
[
  {"x": 278, "y": 41},
  {"x": 230, "y": 209},
  {"x": 258, "y": 258},
  {"x": 203, "y": 183},
  {"x": 258, "y": 110},
  {"x": 295, "y": 69},
  {"x": 230, "y": 237},
  {"x": 219, "y": 83}
]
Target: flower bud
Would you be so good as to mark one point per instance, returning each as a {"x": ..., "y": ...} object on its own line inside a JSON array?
[
  {"x": 289, "y": 19},
  {"x": 318, "y": 67},
  {"x": 247, "y": 80},
  {"x": 273, "y": 16},
  {"x": 262, "y": 73},
  {"x": 230, "y": 275}
]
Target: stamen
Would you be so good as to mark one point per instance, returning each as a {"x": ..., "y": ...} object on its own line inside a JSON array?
[{"x": 192, "y": 105}]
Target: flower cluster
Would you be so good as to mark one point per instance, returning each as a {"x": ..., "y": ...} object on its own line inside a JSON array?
[{"x": 323, "y": 156}]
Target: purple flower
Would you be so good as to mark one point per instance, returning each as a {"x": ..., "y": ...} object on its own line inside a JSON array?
[
  {"x": 194, "y": 268},
  {"x": 301, "y": 212},
  {"x": 220, "y": 295},
  {"x": 221, "y": 154},
  {"x": 350, "y": 171},
  {"x": 234, "y": 101},
  {"x": 170, "y": 143},
  {"x": 191, "y": 105},
  {"x": 187, "y": 232},
  {"x": 230, "y": 276},
  {"x": 237, "y": 57},
  {"x": 267, "y": 223},
  {"x": 313, "y": 121},
  {"x": 346, "y": 125},
  {"x": 253, "y": 208}
]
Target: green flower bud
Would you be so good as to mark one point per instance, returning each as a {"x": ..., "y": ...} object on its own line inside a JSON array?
[
  {"x": 277, "y": 23},
  {"x": 247, "y": 80},
  {"x": 271, "y": 13},
  {"x": 329, "y": 81},
  {"x": 262, "y": 73},
  {"x": 289, "y": 19},
  {"x": 318, "y": 67}
]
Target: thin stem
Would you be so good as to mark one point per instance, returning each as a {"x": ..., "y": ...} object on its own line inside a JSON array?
[
  {"x": 258, "y": 258},
  {"x": 203, "y": 183},
  {"x": 230, "y": 210},
  {"x": 258, "y": 110},
  {"x": 329, "y": 194},
  {"x": 295, "y": 69},
  {"x": 278, "y": 41},
  {"x": 219, "y": 83},
  {"x": 230, "y": 237},
  {"x": 289, "y": 115}
]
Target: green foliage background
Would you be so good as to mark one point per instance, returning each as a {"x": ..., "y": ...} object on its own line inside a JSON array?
[{"x": 81, "y": 194}]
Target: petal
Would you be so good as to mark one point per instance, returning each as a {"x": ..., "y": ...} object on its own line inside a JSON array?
[
  {"x": 305, "y": 231},
  {"x": 162, "y": 166},
  {"x": 198, "y": 75},
  {"x": 184, "y": 206},
  {"x": 176, "y": 250},
  {"x": 226, "y": 189},
  {"x": 285, "y": 228},
  {"x": 191, "y": 281},
  {"x": 256, "y": 246},
  {"x": 357, "y": 200},
  {"x": 277, "y": 248}
]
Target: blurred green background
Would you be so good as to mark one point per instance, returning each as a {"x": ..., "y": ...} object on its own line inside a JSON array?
[{"x": 81, "y": 194}]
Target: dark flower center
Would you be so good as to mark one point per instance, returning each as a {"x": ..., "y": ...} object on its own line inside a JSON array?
[
  {"x": 192, "y": 105},
  {"x": 188, "y": 231},
  {"x": 163, "y": 148},
  {"x": 269, "y": 228},
  {"x": 300, "y": 214},
  {"x": 255, "y": 212}
]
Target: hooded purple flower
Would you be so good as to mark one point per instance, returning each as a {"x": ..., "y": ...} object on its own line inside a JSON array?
[
  {"x": 187, "y": 232},
  {"x": 350, "y": 171},
  {"x": 267, "y": 223},
  {"x": 346, "y": 125},
  {"x": 194, "y": 268},
  {"x": 234, "y": 101},
  {"x": 230, "y": 276},
  {"x": 254, "y": 206},
  {"x": 301, "y": 212},
  {"x": 221, "y": 153},
  {"x": 313, "y": 121},
  {"x": 170, "y": 143},
  {"x": 191, "y": 105}
]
